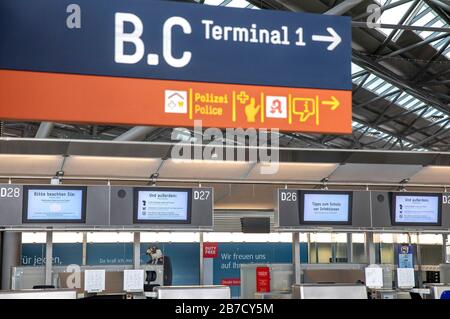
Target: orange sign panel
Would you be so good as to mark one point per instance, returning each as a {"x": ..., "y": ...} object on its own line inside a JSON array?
[{"x": 37, "y": 96}]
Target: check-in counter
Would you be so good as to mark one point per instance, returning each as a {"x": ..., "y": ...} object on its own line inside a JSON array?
[
  {"x": 436, "y": 290},
  {"x": 329, "y": 291},
  {"x": 192, "y": 292},
  {"x": 383, "y": 293},
  {"x": 281, "y": 279},
  {"x": 39, "y": 294},
  {"x": 273, "y": 295},
  {"x": 341, "y": 273},
  {"x": 26, "y": 277}
]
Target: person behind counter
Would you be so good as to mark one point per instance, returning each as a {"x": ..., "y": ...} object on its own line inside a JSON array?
[{"x": 156, "y": 257}]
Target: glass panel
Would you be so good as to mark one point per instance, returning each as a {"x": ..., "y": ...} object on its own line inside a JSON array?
[
  {"x": 324, "y": 253},
  {"x": 359, "y": 254},
  {"x": 341, "y": 253},
  {"x": 387, "y": 253},
  {"x": 431, "y": 254},
  {"x": 447, "y": 253}
]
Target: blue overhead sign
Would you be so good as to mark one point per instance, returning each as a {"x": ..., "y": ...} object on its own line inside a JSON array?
[{"x": 176, "y": 41}]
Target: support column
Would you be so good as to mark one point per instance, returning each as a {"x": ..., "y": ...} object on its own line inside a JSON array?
[
  {"x": 45, "y": 129},
  {"x": 137, "y": 250},
  {"x": 419, "y": 261},
  {"x": 48, "y": 257},
  {"x": 370, "y": 248},
  {"x": 11, "y": 248},
  {"x": 308, "y": 236},
  {"x": 349, "y": 248},
  {"x": 296, "y": 257},
  {"x": 444, "y": 248},
  {"x": 1, "y": 253},
  {"x": 202, "y": 265},
  {"x": 84, "y": 260}
]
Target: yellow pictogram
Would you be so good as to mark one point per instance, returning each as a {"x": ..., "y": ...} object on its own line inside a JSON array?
[
  {"x": 304, "y": 108},
  {"x": 309, "y": 107},
  {"x": 252, "y": 110},
  {"x": 263, "y": 110},
  {"x": 243, "y": 97},
  {"x": 249, "y": 104},
  {"x": 233, "y": 116},
  {"x": 334, "y": 103},
  {"x": 253, "y": 106},
  {"x": 191, "y": 105}
]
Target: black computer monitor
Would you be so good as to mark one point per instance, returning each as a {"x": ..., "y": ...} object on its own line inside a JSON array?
[
  {"x": 162, "y": 205},
  {"x": 326, "y": 207},
  {"x": 54, "y": 204},
  {"x": 416, "y": 209}
]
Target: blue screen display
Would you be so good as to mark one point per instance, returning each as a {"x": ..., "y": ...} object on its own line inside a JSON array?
[
  {"x": 54, "y": 204},
  {"x": 417, "y": 209},
  {"x": 326, "y": 208}
]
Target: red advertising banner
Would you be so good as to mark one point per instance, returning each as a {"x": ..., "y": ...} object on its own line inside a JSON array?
[
  {"x": 210, "y": 250},
  {"x": 262, "y": 279},
  {"x": 231, "y": 282}
]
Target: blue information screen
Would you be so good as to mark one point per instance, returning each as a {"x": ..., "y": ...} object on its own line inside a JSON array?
[
  {"x": 326, "y": 208},
  {"x": 54, "y": 204},
  {"x": 417, "y": 209},
  {"x": 162, "y": 205}
]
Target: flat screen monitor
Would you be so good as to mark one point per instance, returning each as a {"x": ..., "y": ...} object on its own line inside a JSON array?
[
  {"x": 325, "y": 208},
  {"x": 54, "y": 204},
  {"x": 416, "y": 209},
  {"x": 162, "y": 205}
]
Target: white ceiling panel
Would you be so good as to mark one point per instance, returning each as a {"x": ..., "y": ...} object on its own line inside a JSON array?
[
  {"x": 432, "y": 175},
  {"x": 292, "y": 172},
  {"x": 29, "y": 165},
  {"x": 113, "y": 167},
  {"x": 375, "y": 173},
  {"x": 185, "y": 169}
]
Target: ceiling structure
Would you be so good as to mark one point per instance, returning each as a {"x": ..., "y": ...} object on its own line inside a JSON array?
[
  {"x": 400, "y": 75},
  {"x": 33, "y": 160}
]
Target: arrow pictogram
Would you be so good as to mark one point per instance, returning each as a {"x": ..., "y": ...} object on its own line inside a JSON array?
[
  {"x": 334, "y": 103},
  {"x": 334, "y": 38}
]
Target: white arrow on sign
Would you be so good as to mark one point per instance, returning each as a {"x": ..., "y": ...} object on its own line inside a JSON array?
[{"x": 335, "y": 39}]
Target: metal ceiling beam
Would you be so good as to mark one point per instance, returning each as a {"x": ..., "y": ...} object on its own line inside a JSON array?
[
  {"x": 385, "y": 110},
  {"x": 357, "y": 24},
  {"x": 377, "y": 98},
  {"x": 383, "y": 130},
  {"x": 438, "y": 133},
  {"x": 413, "y": 46},
  {"x": 383, "y": 8},
  {"x": 45, "y": 129},
  {"x": 438, "y": 75},
  {"x": 402, "y": 114},
  {"x": 343, "y": 7},
  {"x": 137, "y": 133},
  {"x": 433, "y": 58},
  {"x": 389, "y": 38},
  {"x": 392, "y": 78},
  {"x": 405, "y": 132},
  {"x": 441, "y": 4}
]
